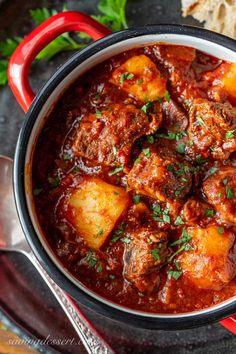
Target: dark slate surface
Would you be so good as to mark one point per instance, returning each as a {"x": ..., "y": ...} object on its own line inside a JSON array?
[{"x": 22, "y": 294}]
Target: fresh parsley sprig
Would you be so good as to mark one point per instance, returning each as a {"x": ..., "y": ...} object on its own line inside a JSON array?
[{"x": 112, "y": 15}]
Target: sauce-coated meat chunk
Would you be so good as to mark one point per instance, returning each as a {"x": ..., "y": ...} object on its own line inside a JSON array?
[
  {"x": 140, "y": 77},
  {"x": 220, "y": 190},
  {"x": 144, "y": 256},
  {"x": 178, "y": 60},
  {"x": 211, "y": 263},
  {"x": 174, "y": 118},
  {"x": 211, "y": 128},
  {"x": 160, "y": 174},
  {"x": 107, "y": 136}
]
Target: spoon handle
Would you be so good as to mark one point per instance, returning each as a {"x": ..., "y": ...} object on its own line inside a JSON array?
[{"x": 91, "y": 339}]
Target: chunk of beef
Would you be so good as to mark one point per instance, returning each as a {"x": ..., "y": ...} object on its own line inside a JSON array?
[
  {"x": 211, "y": 128},
  {"x": 197, "y": 212},
  {"x": 107, "y": 136},
  {"x": 178, "y": 60},
  {"x": 161, "y": 174},
  {"x": 144, "y": 256},
  {"x": 220, "y": 191},
  {"x": 211, "y": 264},
  {"x": 140, "y": 77},
  {"x": 174, "y": 118}
]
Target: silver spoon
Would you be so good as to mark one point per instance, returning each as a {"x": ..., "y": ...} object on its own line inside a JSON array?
[{"x": 13, "y": 239}]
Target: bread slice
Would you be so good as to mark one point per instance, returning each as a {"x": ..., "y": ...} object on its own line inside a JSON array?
[{"x": 217, "y": 15}]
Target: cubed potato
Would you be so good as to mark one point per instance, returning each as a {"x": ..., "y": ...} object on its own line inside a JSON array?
[
  {"x": 140, "y": 77},
  {"x": 211, "y": 264},
  {"x": 229, "y": 80},
  {"x": 95, "y": 207}
]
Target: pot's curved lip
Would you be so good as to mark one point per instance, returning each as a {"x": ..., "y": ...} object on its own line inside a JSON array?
[{"x": 158, "y": 321}]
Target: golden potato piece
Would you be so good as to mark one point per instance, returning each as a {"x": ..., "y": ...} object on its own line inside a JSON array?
[
  {"x": 95, "y": 207},
  {"x": 229, "y": 80},
  {"x": 140, "y": 77},
  {"x": 211, "y": 264}
]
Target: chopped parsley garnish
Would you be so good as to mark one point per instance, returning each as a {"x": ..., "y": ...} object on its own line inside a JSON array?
[
  {"x": 200, "y": 160},
  {"x": 166, "y": 218},
  {"x": 99, "y": 268},
  {"x": 221, "y": 229},
  {"x": 118, "y": 233},
  {"x": 125, "y": 240},
  {"x": 98, "y": 113},
  {"x": 229, "y": 193},
  {"x": 171, "y": 135},
  {"x": 91, "y": 259},
  {"x": 180, "y": 148},
  {"x": 155, "y": 254},
  {"x": 37, "y": 191},
  {"x": 76, "y": 169},
  {"x": 150, "y": 139},
  {"x": 139, "y": 81},
  {"x": 100, "y": 232},
  {"x": 179, "y": 221},
  {"x": 167, "y": 96},
  {"x": 170, "y": 167},
  {"x": 175, "y": 274},
  {"x": 225, "y": 181},
  {"x": 67, "y": 156},
  {"x": 126, "y": 76},
  {"x": 199, "y": 121},
  {"x": 213, "y": 170},
  {"x": 146, "y": 152},
  {"x": 184, "y": 242},
  {"x": 230, "y": 134},
  {"x": 209, "y": 212},
  {"x": 55, "y": 182},
  {"x": 145, "y": 108},
  {"x": 115, "y": 171},
  {"x": 136, "y": 199}
]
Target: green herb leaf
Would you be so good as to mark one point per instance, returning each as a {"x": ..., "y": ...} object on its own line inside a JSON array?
[
  {"x": 126, "y": 76},
  {"x": 150, "y": 139},
  {"x": 3, "y": 72},
  {"x": 125, "y": 240},
  {"x": 209, "y": 212},
  {"x": 99, "y": 268},
  {"x": 229, "y": 193},
  {"x": 167, "y": 96},
  {"x": 179, "y": 221},
  {"x": 146, "y": 152},
  {"x": 115, "y": 171},
  {"x": 146, "y": 107},
  {"x": 37, "y": 191},
  {"x": 55, "y": 182},
  {"x": 180, "y": 148},
  {"x": 100, "y": 232},
  {"x": 139, "y": 81},
  {"x": 155, "y": 254},
  {"x": 175, "y": 274},
  {"x": 136, "y": 199},
  {"x": 221, "y": 229},
  {"x": 8, "y": 46},
  {"x": 213, "y": 170},
  {"x": 98, "y": 113},
  {"x": 200, "y": 160},
  {"x": 91, "y": 259},
  {"x": 67, "y": 155},
  {"x": 230, "y": 134}
]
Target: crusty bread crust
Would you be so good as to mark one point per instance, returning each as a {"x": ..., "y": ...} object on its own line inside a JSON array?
[{"x": 217, "y": 15}]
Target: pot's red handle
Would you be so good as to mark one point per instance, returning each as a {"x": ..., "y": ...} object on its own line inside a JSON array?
[
  {"x": 230, "y": 323},
  {"x": 40, "y": 37}
]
